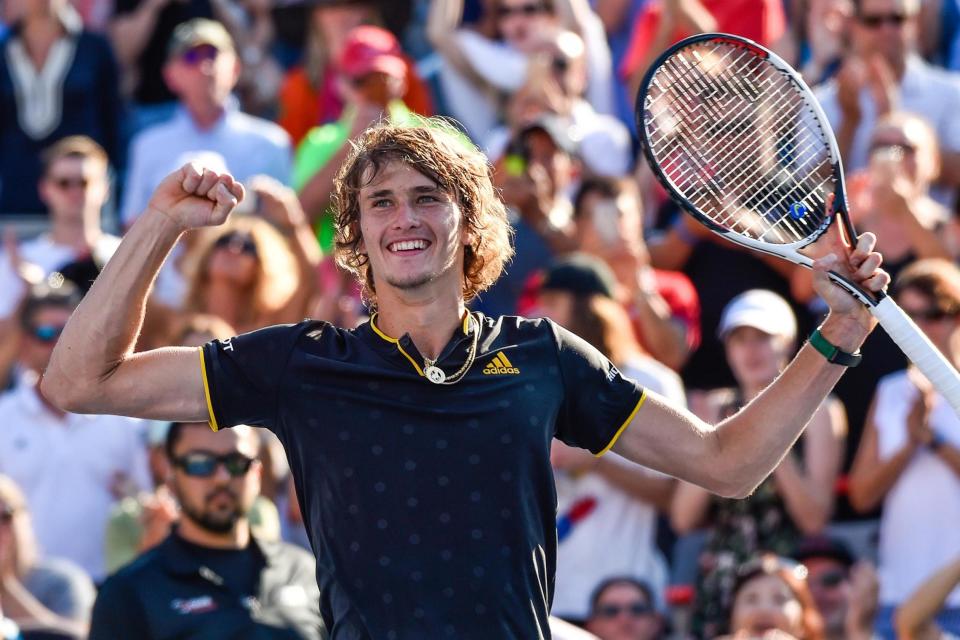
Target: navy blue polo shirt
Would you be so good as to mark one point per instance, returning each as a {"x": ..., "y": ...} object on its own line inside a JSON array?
[{"x": 431, "y": 508}]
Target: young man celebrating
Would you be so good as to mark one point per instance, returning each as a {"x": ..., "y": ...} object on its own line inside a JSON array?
[{"x": 420, "y": 441}]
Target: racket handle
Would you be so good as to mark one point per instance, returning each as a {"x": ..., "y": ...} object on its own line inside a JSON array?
[{"x": 919, "y": 349}]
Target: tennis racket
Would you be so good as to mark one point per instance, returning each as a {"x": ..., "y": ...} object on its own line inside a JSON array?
[{"x": 741, "y": 143}]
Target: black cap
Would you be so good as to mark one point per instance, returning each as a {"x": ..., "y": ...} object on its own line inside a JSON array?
[
  {"x": 580, "y": 274},
  {"x": 822, "y": 546}
]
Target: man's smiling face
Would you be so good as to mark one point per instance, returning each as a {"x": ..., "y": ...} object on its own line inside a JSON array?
[{"x": 412, "y": 230}]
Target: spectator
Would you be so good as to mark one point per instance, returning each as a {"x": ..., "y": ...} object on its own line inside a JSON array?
[
  {"x": 211, "y": 564},
  {"x": 759, "y": 332},
  {"x": 883, "y": 73},
  {"x": 74, "y": 186},
  {"x": 916, "y": 618},
  {"x": 555, "y": 83},
  {"x": 141, "y": 31},
  {"x": 202, "y": 69},
  {"x": 536, "y": 179},
  {"x": 909, "y": 456},
  {"x": 71, "y": 468},
  {"x": 842, "y": 590},
  {"x": 246, "y": 274},
  {"x": 816, "y": 37},
  {"x": 310, "y": 96},
  {"x": 479, "y": 70},
  {"x": 43, "y": 594},
  {"x": 373, "y": 79},
  {"x": 607, "y": 507},
  {"x": 56, "y": 80},
  {"x": 663, "y": 305},
  {"x": 623, "y": 608},
  {"x": 771, "y": 593}
]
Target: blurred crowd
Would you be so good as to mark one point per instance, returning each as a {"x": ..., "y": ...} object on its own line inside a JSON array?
[{"x": 118, "y": 528}]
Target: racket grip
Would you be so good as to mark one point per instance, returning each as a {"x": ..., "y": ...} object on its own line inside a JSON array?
[{"x": 920, "y": 350}]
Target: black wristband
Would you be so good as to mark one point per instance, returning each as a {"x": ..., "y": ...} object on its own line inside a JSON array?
[{"x": 832, "y": 352}]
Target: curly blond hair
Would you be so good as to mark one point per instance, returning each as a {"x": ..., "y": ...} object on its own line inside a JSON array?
[{"x": 441, "y": 153}]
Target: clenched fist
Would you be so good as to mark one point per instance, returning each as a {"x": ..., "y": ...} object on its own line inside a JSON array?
[{"x": 196, "y": 197}]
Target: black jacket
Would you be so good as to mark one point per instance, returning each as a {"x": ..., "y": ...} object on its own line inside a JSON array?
[{"x": 169, "y": 593}]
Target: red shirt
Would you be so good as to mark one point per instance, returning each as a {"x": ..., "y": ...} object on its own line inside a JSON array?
[{"x": 762, "y": 21}]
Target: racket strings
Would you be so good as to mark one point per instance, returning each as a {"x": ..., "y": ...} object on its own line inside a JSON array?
[
  {"x": 740, "y": 147},
  {"x": 739, "y": 140}
]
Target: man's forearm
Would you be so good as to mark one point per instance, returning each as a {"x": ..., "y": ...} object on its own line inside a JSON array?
[{"x": 104, "y": 328}]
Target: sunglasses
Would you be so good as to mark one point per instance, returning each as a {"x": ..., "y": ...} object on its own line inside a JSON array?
[
  {"x": 6, "y": 515},
  {"x": 635, "y": 609},
  {"x": 46, "y": 332},
  {"x": 877, "y": 20},
  {"x": 200, "y": 53},
  {"x": 531, "y": 9},
  {"x": 64, "y": 183},
  {"x": 203, "y": 465},
  {"x": 933, "y": 314},
  {"x": 831, "y": 579},
  {"x": 237, "y": 242}
]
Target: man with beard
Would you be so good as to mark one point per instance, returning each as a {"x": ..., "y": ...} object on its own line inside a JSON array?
[{"x": 210, "y": 578}]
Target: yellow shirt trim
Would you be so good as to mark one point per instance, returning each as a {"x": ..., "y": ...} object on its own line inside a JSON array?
[
  {"x": 376, "y": 329},
  {"x": 623, "y": 427},
  {"x": 206, "y": 391}
]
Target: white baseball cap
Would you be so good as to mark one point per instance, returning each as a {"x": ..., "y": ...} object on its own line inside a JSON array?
[{"x": 760, "y": 309}]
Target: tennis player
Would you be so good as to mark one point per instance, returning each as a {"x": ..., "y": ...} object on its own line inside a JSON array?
[{"x": 420, "y": 441}]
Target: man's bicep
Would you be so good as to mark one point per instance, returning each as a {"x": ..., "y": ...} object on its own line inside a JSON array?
[
  {"x": 669, "y": 439},
  {"x": 162, "y": 384}
]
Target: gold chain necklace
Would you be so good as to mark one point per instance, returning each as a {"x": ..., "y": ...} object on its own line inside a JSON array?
[{"x": 436, "y": 375}]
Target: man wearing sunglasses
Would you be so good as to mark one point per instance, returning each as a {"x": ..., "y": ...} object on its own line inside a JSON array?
[
  {"x": 882, "y": 72},
  {"x": 211, "y": 578},
  {"x": 74, "y": 187},
  {"x": 622, "y": 608},
  {"x": 202, "y": 69}
]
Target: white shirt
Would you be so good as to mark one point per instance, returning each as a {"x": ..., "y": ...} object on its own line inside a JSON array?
[
  {"x": 505, "y": 68},
  {"x": 43, "y": 252},
  {"x": 925, "y": 90},
  {"x": 921, "y": 512},
  {"x": 66, "y": 468},
  {"x": 603, "y": 142},
  {"x": 618, "y": 536},
  {"x": 250, "y": 146}
]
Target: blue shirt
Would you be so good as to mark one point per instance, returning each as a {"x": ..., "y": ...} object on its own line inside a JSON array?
[{"x": 247, "y": 145}]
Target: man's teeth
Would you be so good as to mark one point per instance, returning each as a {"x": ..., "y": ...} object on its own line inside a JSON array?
[{"x": 408, "y": 245}]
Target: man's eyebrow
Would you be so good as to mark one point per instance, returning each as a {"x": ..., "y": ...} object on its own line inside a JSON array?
[
  {"x": 380, "y": 193},
  {"x": 420, "y": 188}
]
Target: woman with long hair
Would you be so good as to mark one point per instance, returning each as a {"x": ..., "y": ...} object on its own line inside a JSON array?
[
  {"x": 771, "y": 599},
  {"x": 255, "y": 271}
]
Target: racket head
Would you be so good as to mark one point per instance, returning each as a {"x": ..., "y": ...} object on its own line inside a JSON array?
[{"x": 740, "y": 142}]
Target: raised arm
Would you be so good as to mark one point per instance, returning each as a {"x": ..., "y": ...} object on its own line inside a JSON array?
[
  {"x": 93, "y": 368},
  {"x": 916, "y": 615},
  {"x": 732, "y": 458}
]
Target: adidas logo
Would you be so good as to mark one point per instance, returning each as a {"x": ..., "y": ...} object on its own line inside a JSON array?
[{"x": 500, "y": 365}]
